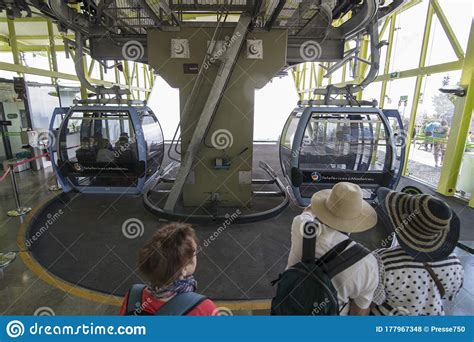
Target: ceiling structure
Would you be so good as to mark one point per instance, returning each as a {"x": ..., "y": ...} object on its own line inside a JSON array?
[{"x": 112, "y": 22}]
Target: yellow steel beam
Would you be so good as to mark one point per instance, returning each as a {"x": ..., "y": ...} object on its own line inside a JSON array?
[
  {"x": 319, "y": 81},
  {"x": 91, "y": 67},
  {"x": 126, "y": 74},
  {"x": 25, "y": 20},
  {"x": 137, "y": 74},
  {"x": 84, "y": 92},
  {"x": 427, "y": 70},
  {"x": 29, "y": 48},
  {"x": 42, "y": 37},
  {"x": 145, "y": 80},
  {"x": 117, "y": 74},
  {"x": 52, "y": 50},
  {"x": 12, "y": 41},
  {"x": 460, "y": 126},
  {"x": 47, "y": 73}
]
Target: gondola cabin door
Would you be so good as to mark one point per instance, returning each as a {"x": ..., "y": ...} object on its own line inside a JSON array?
[{"x": 321, "y": 146}]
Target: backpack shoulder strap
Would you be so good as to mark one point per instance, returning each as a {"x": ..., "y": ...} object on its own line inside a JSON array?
[
  {"x": 335, "y": 251},
  {"x": 438, "y": 283},
  {"x": 134, "y": 299},
  {"x": 181, "y": 304},
  {"x": 309, "y": 242},
  {"x": 345, "y": 260}
]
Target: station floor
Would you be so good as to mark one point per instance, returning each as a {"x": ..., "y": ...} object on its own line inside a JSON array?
[{"x": 26, "y": 288}]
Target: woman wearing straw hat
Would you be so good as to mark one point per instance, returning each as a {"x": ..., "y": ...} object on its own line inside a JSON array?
[
  {"x": 340, "y": 211},
  {"x": 419, "y": 271}
]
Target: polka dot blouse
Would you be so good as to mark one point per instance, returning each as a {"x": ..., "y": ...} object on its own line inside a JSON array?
[{"x": 406, "y": 287}]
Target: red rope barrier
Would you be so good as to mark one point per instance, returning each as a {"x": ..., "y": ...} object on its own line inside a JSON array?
[
  {"x": 30, "y": 159},
  {"x": 4, "y": 175}
]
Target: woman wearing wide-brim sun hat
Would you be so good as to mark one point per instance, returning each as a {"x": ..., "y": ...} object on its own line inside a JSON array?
[
  {"x": 343, "y": 208},
  {"x": 420, "y": 270},
  {"x": 425, "y": 226},
  {"x": 338, "y": 212}
]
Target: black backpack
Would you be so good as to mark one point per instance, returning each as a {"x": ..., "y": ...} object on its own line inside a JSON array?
[
  {"x": 179, "y": 305},
  {"x": 306, "y": 288}
]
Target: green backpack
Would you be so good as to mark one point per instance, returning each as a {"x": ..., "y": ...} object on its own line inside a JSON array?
[{"x": 306, "y": 288}]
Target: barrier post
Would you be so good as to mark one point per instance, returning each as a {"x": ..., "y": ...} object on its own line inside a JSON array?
[
  {"x": 20, "y": 210},
  {"x": 56, "y": 186},
  {"x": 5, "y": 260}
]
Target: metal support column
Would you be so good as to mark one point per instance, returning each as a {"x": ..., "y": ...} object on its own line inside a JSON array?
[
  {"x": 319, "y": 81},
  {"x": 117, "y": 74},
  {"x": 126, "y": 74},
  {"x": 19, "y": 211},
  {"x": 362, "y": 67},
  {"x": 84, "y": 94},
  {"x": 145, "y": 80},
  {"x": 137, "y": 75},
  {"x": 460, "y": 126},
  {"x": 212, "y": 102},
  {"x": 52, "y": 50},
  {"x": 388, "y": 59}
]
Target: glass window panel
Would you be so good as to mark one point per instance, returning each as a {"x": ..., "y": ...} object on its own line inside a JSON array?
[
  {"x": 408, "y": 37},
  {"x": 344, "y": 142},
  {"x": 289, "y": 132},
  {"x": 100, "y": 149},
  {"x": 399, "y": 96},
  {"x": 459, "y": 15},
  {"x": 428, "y": 149},
  {"x": 154, "y": 141},
  {"x": 439, "y": 49}
]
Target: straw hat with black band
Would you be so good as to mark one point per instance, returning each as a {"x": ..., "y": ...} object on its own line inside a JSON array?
[
  {"x": 343, "y": 208},
  {"x": 425, "y": 227}
]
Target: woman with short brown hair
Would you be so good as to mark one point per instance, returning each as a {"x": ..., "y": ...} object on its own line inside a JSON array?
[{"x": 168, "y": 261}]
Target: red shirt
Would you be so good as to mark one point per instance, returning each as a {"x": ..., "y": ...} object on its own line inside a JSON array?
[{"x": 151, "y": 304}]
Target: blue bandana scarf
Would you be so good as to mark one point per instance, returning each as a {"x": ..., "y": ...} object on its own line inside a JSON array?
[{"x": 188, "y": 284}]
